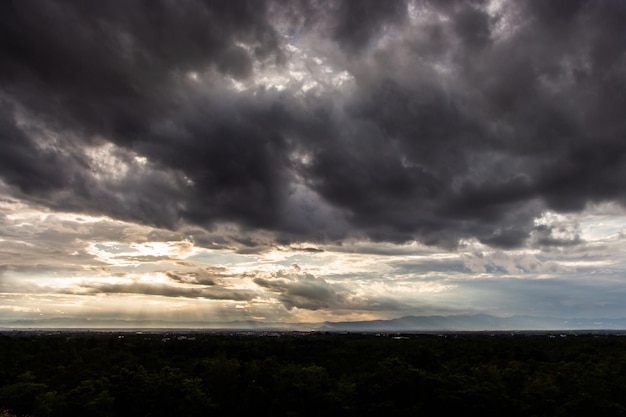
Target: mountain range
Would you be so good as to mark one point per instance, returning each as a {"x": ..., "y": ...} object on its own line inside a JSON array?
[
  {"x": 473, "y": 322},
  {"x": 477, "y": 322}
]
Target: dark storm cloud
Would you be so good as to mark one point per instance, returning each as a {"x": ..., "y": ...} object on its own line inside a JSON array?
[
  {"x": 357, "y": 22},
  {"x": 23, "y": 163},
  {"x": 460, "y": 121}
]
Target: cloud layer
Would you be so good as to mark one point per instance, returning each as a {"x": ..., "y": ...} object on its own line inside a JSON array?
[
  {"x": 316, "y": 121},
  {"x": 68, "y": 265}
]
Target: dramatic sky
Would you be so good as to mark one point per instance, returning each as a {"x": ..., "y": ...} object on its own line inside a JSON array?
[{"x": 310, "y": 160}]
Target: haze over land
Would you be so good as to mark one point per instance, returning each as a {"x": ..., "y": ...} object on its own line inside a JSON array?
[{"x": 309, "y": 161}]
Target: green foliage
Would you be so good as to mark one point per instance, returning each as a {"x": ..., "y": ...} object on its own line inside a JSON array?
[{"x": 310, "y": 375}]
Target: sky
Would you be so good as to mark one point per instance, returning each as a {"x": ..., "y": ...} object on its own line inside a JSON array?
[{"x": 311, "y": 160}]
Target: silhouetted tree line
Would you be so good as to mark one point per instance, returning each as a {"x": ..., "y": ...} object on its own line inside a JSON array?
[{"x": 311, "y": 375}]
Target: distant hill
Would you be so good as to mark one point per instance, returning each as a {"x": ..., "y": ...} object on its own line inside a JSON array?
[
  {"x": 473, "y": 322},
  {"x": 476, "y": 322},
  {"x": 103, "y": 323}
]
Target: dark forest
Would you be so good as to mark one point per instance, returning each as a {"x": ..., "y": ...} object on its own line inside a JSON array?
[{"x": 302, "y": 374}]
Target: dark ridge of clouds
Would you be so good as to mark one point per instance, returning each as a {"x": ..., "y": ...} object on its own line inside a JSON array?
[
  {"x": 466, "y": 126},
  {"x": 309, "y": 249},
  {"x": 144, "y": 258},
  {"x": 208, "y": 292},
  {"x": 190, "y": 278},
  {"x": 200, "y": 276}
]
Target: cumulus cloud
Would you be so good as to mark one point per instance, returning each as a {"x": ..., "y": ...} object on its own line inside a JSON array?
[
  {"x": 296, "y": 288},
  {"x": 301, "y": 290},
  {"x": 400, "y": 120}
]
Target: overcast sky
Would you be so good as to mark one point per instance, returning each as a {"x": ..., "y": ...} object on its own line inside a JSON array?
[{"x": 310, "y": 160}]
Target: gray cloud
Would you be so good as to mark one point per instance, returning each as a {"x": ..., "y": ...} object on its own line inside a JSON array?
[
  {"x": 459, "y": 122},
  {"x": 208, "y": 292},
  {"x": 200, "y": 276},
  {"x": 302, "y": 291},
  {"x": 356, "y": 23}
]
